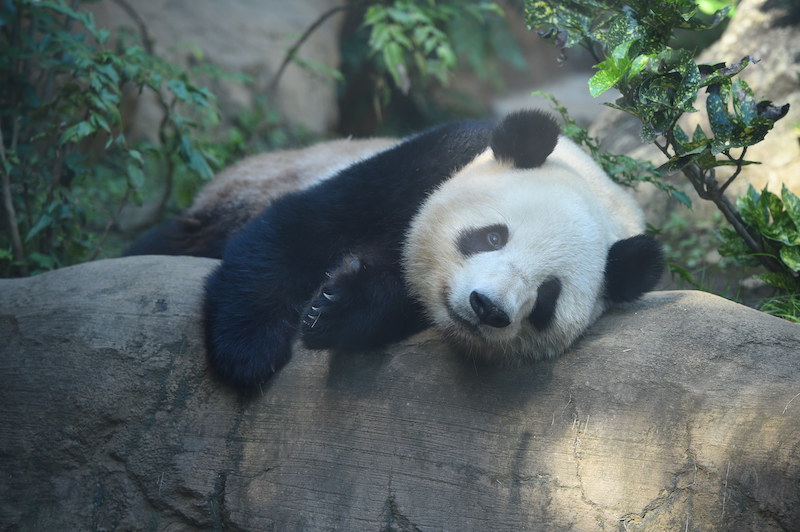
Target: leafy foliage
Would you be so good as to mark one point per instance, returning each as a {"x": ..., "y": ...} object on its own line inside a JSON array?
[
  {"x": 416, "y": 33},
  {"x": 400, "y": 54},
  {"x": 658, "y": 85},
  {"x": 69, "y": 164},
  {"x": 777, "y": 219},
  {"x": 785, "y": 306},
  {"x": 65, "y": 142}
]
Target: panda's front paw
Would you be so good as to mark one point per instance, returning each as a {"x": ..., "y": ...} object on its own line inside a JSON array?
[{"x": 325, "y": 318}]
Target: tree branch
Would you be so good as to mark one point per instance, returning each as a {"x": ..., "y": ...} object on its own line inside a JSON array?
[
  {"x": 296, "y": 46},
  {"x": 147, "y": 41},
  {"x": 99, "y": 247},
  {"x": 707, "y": 188},
  {"x": 18, "y": 249},
  {"x": 738, "y": 170}
]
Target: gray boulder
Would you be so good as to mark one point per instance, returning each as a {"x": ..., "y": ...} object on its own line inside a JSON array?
[{"x": 680, "y": 412}]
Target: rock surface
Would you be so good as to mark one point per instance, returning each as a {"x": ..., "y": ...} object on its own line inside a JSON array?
[{"x": 681, "y": 412}]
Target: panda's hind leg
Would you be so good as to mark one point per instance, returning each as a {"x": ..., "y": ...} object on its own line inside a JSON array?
[{"x": 361, "y": 305}]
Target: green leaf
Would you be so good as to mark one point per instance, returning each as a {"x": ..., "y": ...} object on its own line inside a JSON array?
[
  {"x": 136, "y": 155},
  {"x": 766, "y": 213},
  {"x": 718, "y": 116},
  {"x": 639, "y": 63},
  {"x": 135, "y": 176},
  {"x": 733, "y": 246},
  {"x": 602, "y": 81},
  {"x": 752, "y": 209},
  {"x": 42, "y": 261},
  {"x": 45, "y": 221},
  {"x": 77, "y": 132},
  {"x": 718, "y": 73},
  {"x": 744, "y": 103},
  {"x": 374, "y": 15},
  {"x": 790, "y": 256},
  {"x": 792, "y": 205},
  {"x": 194, "y": 159},
  {"x": 179, "y": 89},
  {"x": 614, "y": 68},
  {"x": 393, "y": 58},
  {"x": 682, "y": 197},
  {"x": 675, "y": 164},
  {"x": 445, "y": 53},
  {"x": 689, "y": 85},
  {"x": 782, "y": 281},
  {"x": 100, "y": 121}
]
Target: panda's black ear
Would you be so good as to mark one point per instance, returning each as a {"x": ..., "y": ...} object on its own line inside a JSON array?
[
  {"x": 524, "y": 139},
  {"x": 633, "y": 267}
]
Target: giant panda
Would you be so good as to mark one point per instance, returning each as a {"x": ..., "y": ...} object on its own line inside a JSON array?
[{"x": 504, "y": 236}]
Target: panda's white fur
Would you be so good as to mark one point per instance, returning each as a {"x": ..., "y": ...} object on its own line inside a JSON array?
[{"x": 562, "y": 218}]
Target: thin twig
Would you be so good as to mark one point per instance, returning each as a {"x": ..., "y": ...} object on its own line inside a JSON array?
[
  {"x": 8, "y": 206},
  {"x": 99, "y": 247},
  {"x": 296, "y": 46},
  {"x": 739, "y": 166},
  {"x": 147, "y": 40},
  {"x": 169, "y": 173}
]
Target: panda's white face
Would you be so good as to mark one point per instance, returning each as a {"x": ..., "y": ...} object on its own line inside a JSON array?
[{"x": 510, "y": 263}]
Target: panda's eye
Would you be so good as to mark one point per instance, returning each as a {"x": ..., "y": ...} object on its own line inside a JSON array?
[{"x": 483, "y": 239}]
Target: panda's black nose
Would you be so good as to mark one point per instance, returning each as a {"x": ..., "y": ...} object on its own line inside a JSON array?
[{"x": 487, "y": 311}]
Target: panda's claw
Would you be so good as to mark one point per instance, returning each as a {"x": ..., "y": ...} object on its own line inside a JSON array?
[{"x": 323, "y": 317}]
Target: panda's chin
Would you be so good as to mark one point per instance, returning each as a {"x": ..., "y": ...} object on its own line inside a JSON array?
[
  {"x": 480, "y": 340},
  {"x": 456, "y": 321},
  {"x": 510, "y": 345}
]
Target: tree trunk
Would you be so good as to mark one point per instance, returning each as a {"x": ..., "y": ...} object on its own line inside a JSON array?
[{"x": 681, "y": 412}]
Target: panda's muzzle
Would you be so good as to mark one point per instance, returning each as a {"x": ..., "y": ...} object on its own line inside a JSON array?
[{"x": 487, "y": 311}]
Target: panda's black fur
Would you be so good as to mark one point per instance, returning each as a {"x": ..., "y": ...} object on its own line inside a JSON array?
[{"x": 325, "y": 262}]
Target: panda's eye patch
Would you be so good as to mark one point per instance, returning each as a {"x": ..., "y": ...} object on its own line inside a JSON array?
[{"x": 482, "y": 239}]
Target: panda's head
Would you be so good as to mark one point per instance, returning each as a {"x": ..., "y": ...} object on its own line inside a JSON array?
[{"x": 519, "y": 252}]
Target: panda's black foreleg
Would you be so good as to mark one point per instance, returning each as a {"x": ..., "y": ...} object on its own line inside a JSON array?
[
  {"x": 362, "y": 305},
  {"x": 249, "y": 331}
]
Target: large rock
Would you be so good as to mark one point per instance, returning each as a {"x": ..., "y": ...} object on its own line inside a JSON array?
[{"x": 681, "y": 412}]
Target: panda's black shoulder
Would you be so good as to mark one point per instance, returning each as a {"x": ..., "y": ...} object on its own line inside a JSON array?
[
  {"x": 452, "y": 144},
  {"x": 524, "y": 139},
  {"x": 397, "y": 180}
]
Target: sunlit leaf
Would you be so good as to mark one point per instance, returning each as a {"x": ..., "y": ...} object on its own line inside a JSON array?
[{"x": 791, "y": 257}]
